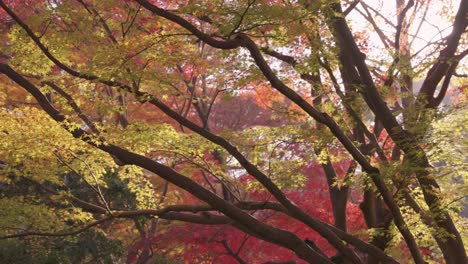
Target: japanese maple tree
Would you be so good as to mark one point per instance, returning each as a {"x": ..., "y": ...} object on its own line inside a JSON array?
[{"x": 233, "y": 131}]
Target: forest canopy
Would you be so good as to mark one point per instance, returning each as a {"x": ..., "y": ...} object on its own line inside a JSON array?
[{"x": 250, "y": 131}]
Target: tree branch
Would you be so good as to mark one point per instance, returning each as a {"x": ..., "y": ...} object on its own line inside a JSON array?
[
  {"x": 351, "y": 7},
  {"x": 379, "y": 107},
  {"x": 228, "y": 44},
  {"x": 73, "y": 105},
  {"x": 60, "y": 234},
  {"x": 277, "y": 236},
  {"x": 440, "y": 68}
]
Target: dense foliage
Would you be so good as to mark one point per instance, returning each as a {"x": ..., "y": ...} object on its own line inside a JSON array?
[{"x": 312, "y": 131}]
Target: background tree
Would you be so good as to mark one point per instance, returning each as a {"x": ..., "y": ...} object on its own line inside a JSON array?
[{"x": 123, "y": 118}]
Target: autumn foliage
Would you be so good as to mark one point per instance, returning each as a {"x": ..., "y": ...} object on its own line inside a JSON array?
[{"x": 147, "y": 131}]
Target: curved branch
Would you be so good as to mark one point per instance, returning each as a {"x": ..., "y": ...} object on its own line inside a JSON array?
[
  {"x": 73, "y": 105},
  {"x": 277, "y": 236},
  {"x": 435, "y": 101},
  {"x": 383, "y": 37},
  {"x": 228, "y": 44},
  {"x": 444, "y": 61},
  {"x": 174, "y": 213},
  {"x": 399, "y": 27},
  {"x": 60, "y": 234},
  {"x": 351, "y": 7}
]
